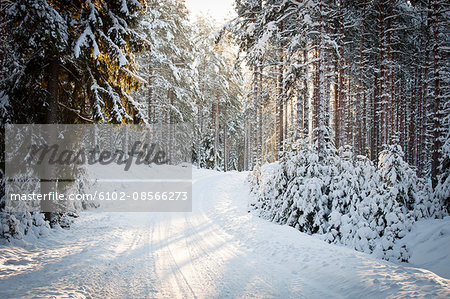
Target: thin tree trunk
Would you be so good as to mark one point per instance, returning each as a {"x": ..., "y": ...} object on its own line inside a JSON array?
[
  {"x": 361, "y": 92},
  {"x": 306, "y": 94},
  {"x": 150, "y": 95},
  {"x": 48, "y": 181},
  {"x": 280, "y": 96},
  {"x": 216, "y": 132},
  {"x": 260, "y": 116},
  {"x": 382, "y": 79},
  {"x": 435, "y": 156}
]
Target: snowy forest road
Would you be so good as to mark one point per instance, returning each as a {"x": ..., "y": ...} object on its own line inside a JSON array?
[{"x": 217, "y": 251}]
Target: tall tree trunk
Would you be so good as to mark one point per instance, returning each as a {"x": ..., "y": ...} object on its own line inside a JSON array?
[
  {"x": 321, "y": 85},
  {"x": 225, "y": 149},
  {"x": 216, "y": 131},
  {"x": 382, "y": 79},
  {"x": 305, "y": 92},
  {"x": 337, "y": 106},
  {"x": 339, "y": 96},
  {"x": 435, "y": 153},
  {"x": 260, "y": 116},
  {"x": 48, "y": 181},
  {"x": 150, "y": 95},
  {"x": 360, "y": 92},
  {"x": 256, "y": 109},
  {"x": 280, "y": 95},
  {"x": 245, "y": 146},
  {"x": 423, "y": 155},
  {"x": 199, "y": 136},
  {"x": 375, "y": 143}
]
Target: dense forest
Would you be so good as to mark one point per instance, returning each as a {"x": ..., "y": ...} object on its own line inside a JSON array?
[
  {"x": 358, "y": 73},
  {"x": 323, "y": 88},
  {"x": 351, "y": 99}
]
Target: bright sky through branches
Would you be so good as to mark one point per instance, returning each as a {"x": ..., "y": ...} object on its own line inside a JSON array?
[{"x": 218, "y": 9}]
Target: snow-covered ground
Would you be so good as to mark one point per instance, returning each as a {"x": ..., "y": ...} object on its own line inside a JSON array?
[
  {"x": 218, "y": 250},
  {"x": 429, "y": 245}
]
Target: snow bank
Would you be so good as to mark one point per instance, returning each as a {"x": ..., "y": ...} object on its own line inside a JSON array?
[
  {"x": 345, "y": 199},
  {"x": 428, "y": 243}
]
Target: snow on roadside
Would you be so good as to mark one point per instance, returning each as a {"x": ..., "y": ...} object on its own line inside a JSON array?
[
  {"x": 429, "y": 245},
  {"x": 323, "y": 269},
  {"x": 217, "y": 250}
]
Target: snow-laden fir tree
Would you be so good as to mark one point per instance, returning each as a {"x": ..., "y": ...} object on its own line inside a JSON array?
[
  {"x": 69, "y": 62},
  {"x": 166, "y": 62},
  {"x": 217, "y": 92}
]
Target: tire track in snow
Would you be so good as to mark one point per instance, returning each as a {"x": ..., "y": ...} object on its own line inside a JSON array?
[{"x": 171, "y": 278}]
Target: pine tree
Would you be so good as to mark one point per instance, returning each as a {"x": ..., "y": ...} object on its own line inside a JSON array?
[{"x": 68, "y": 62}]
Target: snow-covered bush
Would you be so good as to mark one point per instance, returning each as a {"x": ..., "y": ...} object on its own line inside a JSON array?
[
  {"x": 9, "y": 228},
  {"x": 343, "y": 195},
  {"x": 29, "y": 222},
  {"x": 397, "y": 178},
  {"x": 344, "y": 199},
  {"x": 204, "y": 156},
  {"x": 17, "y": 225},
  {"x": 305, "y": 200},
  {"x": 267, "y": 184},
  {"x": 294, "y": 190}
]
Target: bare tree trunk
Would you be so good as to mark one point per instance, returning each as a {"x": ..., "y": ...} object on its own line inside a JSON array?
[
  {"x": 48, "y": 181},
  {"x": 150, "y": 95},
  {"x": 245, "y": 147},
  {"x": 216, "y": 132},
  {"x": 199, "y": 135},
  {"x": 375, "y": 143},
  {"x": 361, "y": 92},
  {"x": 435, "y": 154},
  {"x": 321, "y": 85},
  {"x": 225, "y": 150},
  {"x": 382, "y": 79},
  {"x": 337, "y": 107},
  {"x": 260, "y": 117},
  {"x": 306, "y": 94},
  {"x": 388, "y": 90},
  {"x": 256, "y": 109},
  {"x": 422, "y": 153},
  {"x": 280, "y": 95}
]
